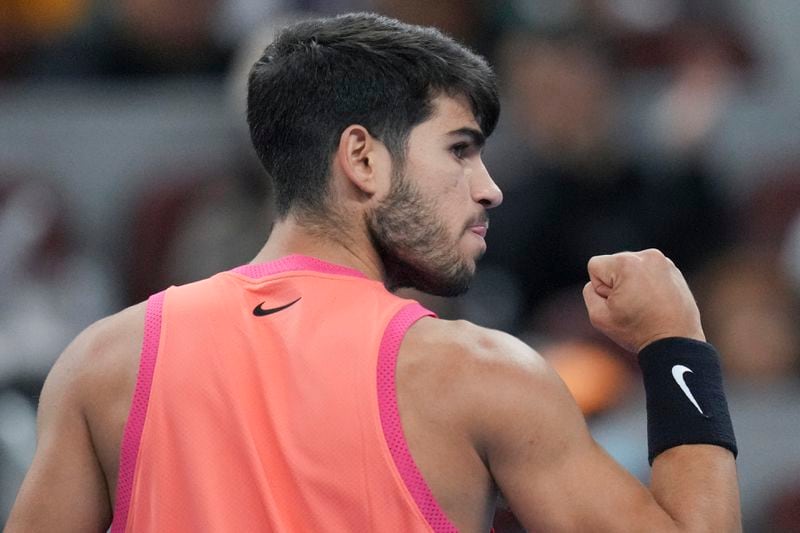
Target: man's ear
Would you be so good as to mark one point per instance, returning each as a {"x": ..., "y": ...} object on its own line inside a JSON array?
[{"x": 363, "y": 159}]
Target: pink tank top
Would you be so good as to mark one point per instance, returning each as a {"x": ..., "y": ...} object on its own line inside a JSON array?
[{"x": 266, "y": 401}]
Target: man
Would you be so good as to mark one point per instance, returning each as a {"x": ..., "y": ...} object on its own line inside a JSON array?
[{"x": 296, "y": 393}]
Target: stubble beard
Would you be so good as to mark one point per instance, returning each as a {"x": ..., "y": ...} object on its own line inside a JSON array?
[{"x": 414, "y": 245}]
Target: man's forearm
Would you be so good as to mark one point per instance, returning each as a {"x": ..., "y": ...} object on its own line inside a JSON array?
[
  {"x": 697, "y": 486},
  {"x": 692, "y": 446}
]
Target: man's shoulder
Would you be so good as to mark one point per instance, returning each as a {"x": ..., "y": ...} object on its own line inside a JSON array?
[
  {"x": 483, "y": 381},
  {"x": 109, "y": 336},
  {"x": 464, "y": 365},
  {"x": 103, "y": 358},
  {"x": 461, "y": 341}
]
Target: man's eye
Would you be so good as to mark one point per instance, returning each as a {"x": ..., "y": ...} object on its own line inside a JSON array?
[{"x": 460, "y": 150}]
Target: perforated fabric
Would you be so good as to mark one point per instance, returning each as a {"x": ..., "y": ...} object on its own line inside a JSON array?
[
  {"x": 133, "y": 427},
  {"x": 390, "y": 418},
  {"x": 295, "y": 263}
]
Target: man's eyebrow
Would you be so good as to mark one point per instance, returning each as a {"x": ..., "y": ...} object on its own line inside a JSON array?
[{"x": 476, "y": 136}]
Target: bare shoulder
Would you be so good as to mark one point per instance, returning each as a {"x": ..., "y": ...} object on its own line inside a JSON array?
[
  {"x": 483, "y": 377},
  {"x": 101, "y": 356},
  {"x": 466, "y": 348},
  {"x": 94, "y": 379},
  {"x": 82, "y": 413}
]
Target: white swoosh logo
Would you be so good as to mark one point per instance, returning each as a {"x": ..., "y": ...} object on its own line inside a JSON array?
[{"x": 677, "y": 373}]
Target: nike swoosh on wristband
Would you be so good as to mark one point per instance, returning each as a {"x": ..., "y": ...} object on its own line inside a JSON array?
[
  {"x": 260, "y": 311},
  {"x": 677, "y": 373}
]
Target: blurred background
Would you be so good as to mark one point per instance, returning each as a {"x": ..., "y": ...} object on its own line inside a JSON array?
[{"x": 125, "y": 166}]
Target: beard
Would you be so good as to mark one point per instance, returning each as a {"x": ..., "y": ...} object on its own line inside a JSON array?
[{"x": 414, "y": 244}]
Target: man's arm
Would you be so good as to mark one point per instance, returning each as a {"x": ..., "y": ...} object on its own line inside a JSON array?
[
  {"x": 66, "y": 488},
  {"x": 538, "y": 448},
  {"x": 556, "y": 478}
]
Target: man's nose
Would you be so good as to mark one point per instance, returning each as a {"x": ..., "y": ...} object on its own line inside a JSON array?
[{"x": 484, "y": 190}]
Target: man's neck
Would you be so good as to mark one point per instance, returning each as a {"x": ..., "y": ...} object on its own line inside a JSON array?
[{"x": 334, "y": 245}]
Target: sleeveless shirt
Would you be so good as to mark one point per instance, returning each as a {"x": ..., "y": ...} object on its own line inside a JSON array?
[{"x": 266, "y": 401}]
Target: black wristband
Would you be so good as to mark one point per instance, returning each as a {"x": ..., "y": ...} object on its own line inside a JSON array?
[{"x": 685, "y": 400}]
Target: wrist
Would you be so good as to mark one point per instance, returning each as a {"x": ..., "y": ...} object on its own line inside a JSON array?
[
  {"x": 695, "y": 336},
  {"x": 685, "y": 399}
]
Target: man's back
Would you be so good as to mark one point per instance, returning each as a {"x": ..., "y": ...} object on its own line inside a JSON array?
[{"x": 267, "y": 402}]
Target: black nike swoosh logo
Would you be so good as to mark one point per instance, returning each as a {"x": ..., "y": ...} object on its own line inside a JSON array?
[{"x": 260, "y": 311}]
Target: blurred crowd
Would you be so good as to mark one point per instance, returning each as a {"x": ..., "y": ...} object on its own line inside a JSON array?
[{"x": 125, "y": 167}]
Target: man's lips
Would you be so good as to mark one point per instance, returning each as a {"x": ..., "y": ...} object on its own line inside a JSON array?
[{"x": 480, "y": 229}]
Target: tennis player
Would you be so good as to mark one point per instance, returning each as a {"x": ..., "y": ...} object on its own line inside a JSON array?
[{"x": 299, "y": 393}]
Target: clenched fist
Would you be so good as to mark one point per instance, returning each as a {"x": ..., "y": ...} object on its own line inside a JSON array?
[{"x": 639, "y": 297}]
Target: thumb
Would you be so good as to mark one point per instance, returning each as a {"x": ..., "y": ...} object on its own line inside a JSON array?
[
  {"x": 596, "y": 305},
  {"x": 602, "y": 272}
]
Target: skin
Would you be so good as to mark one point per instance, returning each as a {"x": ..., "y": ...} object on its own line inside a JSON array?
[
  {"x": 418, "y": 246},
  {"x": 502, "y": 421}
]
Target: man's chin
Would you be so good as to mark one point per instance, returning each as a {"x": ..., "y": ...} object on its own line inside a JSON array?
[
  {"x": 437, "y": 285},
  {"x": 449, "y": 279}
]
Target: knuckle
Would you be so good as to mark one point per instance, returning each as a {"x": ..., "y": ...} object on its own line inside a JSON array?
[
  {"x": 626, "y": 261},
  {"x": 654, "y": 253},
  {"x": 598, "y": 260}
]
